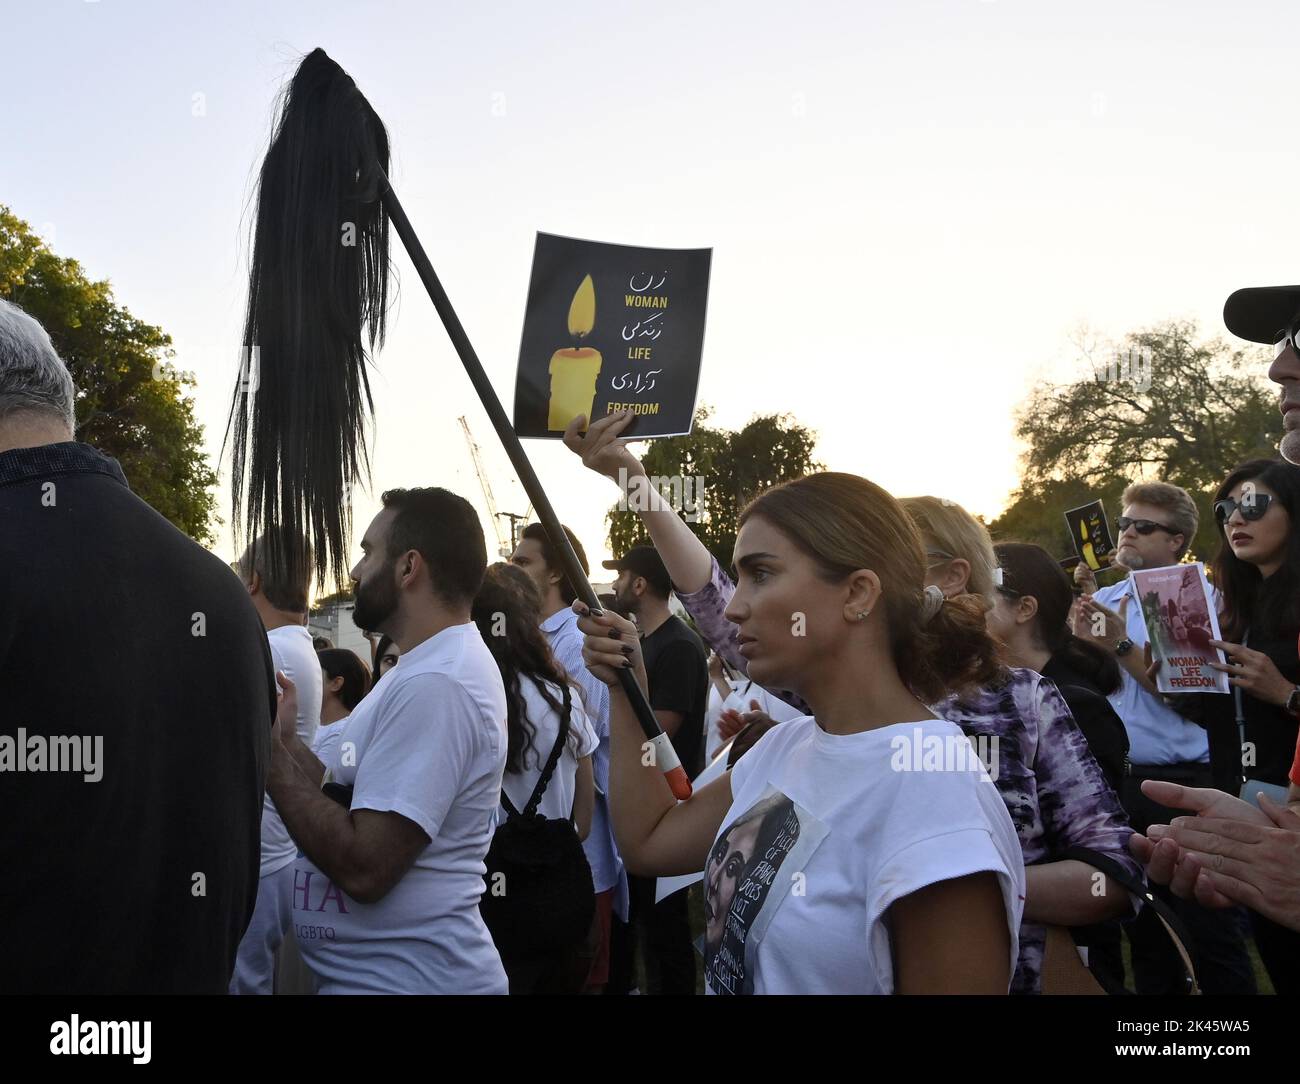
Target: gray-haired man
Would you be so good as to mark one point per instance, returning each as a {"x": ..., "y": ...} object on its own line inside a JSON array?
[{"x": 138, "y": 703}]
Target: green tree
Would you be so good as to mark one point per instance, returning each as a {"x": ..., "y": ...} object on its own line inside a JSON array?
[
  {"x": 733, "y": 467},
  {"x": 130, "y": 404},
  {"x": 1164, "y": 406}
]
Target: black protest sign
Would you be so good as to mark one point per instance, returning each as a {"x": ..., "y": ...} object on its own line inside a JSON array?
[
  {"x": 1090, "y": 534},
  {"x": 608, "y": 328}
]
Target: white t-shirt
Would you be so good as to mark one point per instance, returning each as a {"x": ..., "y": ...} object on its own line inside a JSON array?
[
  {"x": 716, "y": 702},
  {"x": 327, "y": 739},
  {"x": 292, "y": 652},
  {"x": 800, "y": 889},
  {"x": 742, "y": 693},
  {"x": 557, "y": 801},
  {"x": 428, "y": 742}
]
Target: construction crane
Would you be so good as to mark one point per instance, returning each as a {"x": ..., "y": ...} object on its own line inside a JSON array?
[{"x": 505, "y": 547}]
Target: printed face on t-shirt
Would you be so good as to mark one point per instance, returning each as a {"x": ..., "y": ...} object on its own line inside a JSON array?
[{"x": 726, "y": 864}]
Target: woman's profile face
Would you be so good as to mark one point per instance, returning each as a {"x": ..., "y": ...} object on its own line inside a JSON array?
[
  {"x": 722, "y": 873},
  {"x": 388, "y": 659},
  {"x": 788, "y": 619}
]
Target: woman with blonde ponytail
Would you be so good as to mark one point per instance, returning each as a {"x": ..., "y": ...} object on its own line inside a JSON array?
[
  {"x": 1052, "y": 783},
  {"x": 860, "y": 849}
]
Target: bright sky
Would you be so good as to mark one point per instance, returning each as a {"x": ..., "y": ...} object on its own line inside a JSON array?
[{"x": 913, "y": 206}]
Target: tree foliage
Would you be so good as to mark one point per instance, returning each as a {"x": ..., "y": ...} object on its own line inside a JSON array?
[
  {"x": 1174, "y": 408},
  {"x": 733, "y": 466},
  {"x": 130, "y": 403}
]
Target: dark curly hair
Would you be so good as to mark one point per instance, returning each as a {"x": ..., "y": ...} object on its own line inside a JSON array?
[{"x": 507, "y": 611}]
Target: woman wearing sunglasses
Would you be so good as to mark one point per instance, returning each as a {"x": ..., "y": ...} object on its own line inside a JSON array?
[{"x": 1253, "y": 732}]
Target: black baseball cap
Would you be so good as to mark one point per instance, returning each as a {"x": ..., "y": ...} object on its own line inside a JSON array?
[
  {"x": 644, "y": 561},
  {"x": 1262, "y": 314}
]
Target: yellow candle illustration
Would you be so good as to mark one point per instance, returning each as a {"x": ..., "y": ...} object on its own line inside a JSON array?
[
  {"x": 574, "y": 371},
  {"x": 1089, "y": 555}
]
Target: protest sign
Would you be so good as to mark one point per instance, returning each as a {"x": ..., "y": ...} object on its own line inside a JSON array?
[
  {"x": 1090, "y": 534},
  {"x": 607, "y": 328},
  {"x": 1181, "y": 622}
]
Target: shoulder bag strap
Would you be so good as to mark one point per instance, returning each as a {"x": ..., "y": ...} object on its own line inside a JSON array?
[
  {"x": 533, "y": 802},
  {"x": 1171, "y": 922}
]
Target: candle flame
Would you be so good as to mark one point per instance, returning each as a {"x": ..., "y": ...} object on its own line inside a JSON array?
[{"x": 582, "y": 312}]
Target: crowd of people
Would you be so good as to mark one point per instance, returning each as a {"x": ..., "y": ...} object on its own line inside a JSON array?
[{"x": 924, "y": 762}]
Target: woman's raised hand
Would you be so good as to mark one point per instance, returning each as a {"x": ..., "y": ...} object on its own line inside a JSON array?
[{"x": 600, "y": 449}]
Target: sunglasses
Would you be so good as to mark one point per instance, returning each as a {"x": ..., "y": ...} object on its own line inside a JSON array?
[
  {"x": 1288, "y": 339},
  {"x": 1142, "y": 526},
  {"x": 1252, "y": 508}
]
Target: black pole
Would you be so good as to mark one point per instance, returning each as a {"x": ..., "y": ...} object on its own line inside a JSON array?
[{"x": 673, "y": 772}]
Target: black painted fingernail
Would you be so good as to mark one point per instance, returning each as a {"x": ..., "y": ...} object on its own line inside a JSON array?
[
  {"x": 614, "y": 634},
  {"x": 627, "y": 649}
]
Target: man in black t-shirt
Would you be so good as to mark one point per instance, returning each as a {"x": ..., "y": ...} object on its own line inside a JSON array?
[
  {"x": 136, "y": 703},
  {"x": 677, "y": 672}
]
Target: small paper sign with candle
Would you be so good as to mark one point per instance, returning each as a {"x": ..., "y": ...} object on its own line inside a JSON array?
[
  {"x": 1090, "y": 534},
  {"x": 609, "y": 328}
]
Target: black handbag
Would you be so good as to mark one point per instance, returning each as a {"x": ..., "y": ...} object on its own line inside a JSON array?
[
  {"x": 539, "y": 897},
  {"x": 1064, "y": 972}
]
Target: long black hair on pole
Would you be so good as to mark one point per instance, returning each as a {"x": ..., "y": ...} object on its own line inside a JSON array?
[
  {"x": 317, "y": 293},
  {"x": 300, "y": 424}
]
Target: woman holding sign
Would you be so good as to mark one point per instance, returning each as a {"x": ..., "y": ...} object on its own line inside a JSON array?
[
  {"x": 1049, "y": 781},
  {"x": 1253, "y": 732},
  {"x": 832, "y": 865}
]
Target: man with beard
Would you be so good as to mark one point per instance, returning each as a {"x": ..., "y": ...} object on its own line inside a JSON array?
[
  {"x": 1157, "y": 525},
  {"x": 678, "y": 676},
  {"x": 536, "y": 557},
  {"x": 386, "y": 889}
]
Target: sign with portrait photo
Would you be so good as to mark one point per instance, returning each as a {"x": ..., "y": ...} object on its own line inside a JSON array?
[{"x": 1181, "y": 621}]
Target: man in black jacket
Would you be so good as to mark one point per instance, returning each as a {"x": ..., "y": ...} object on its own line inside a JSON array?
[
  {"x": 678, "y": 675},
  {"x": 136, "y": 702}
]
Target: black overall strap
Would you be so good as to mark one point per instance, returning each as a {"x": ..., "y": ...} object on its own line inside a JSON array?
[{"x": 558, "y": 748}]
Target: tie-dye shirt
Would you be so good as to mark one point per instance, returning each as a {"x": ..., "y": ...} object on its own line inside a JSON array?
[{"x": 1051, "y": 783}]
